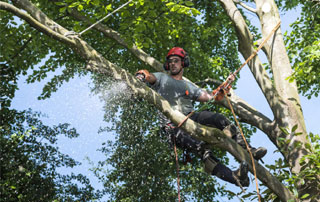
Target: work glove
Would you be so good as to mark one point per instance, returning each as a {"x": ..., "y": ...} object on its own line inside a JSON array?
[
  {"x": 142, "y": 75},
  {"x": 219, "y": 94},
  {"x": 224, "y": 88}
]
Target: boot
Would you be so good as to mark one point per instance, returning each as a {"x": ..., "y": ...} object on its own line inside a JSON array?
[
  {"x": 238, "y": 177},
  {"x": 233, "y": 132},
  {"x": 241, "y": 175}
]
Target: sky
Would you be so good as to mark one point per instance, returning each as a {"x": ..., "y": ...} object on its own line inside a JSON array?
[{"x": 75, "y": 104}]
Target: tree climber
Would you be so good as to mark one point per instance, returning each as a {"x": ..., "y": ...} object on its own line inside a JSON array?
[{"x": 180, "y": 93}]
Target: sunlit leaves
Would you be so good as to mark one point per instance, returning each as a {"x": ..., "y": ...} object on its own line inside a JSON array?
[
  {"x": 304, "y": 50},
  {"x": 182, "y": 9}
]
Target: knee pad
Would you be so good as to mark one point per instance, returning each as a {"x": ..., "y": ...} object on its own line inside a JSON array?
[{"x": 209, "y": 162}]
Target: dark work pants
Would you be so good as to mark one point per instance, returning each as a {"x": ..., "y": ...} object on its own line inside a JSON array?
[
  {"x": 186, "y": 142},
  {"x": 207, "y": 118}
]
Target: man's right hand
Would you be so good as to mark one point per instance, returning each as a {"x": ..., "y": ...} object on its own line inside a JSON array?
[
  {"x": 219, "y": 94},
  {"x": 143, "y": 75}
]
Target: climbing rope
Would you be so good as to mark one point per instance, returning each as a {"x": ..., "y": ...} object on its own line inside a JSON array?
[
  {"x": 247, "y": 147},
  {"x": 72, "y": 33},
  {"x": 104, "y": 18}
]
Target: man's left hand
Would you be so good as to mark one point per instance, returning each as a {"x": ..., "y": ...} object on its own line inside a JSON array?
[{"x": 142, "y": 75}]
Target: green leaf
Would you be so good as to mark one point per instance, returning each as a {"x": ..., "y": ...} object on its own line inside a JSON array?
[
  {"x": 62, "y": 10},
  {"x": 95, "y": 2},
  {"x": 108, "y": 8},
  {"x": 80, "y": 7},
  {"x": 294, "y": 128},
  {"x": 284, "y": 130},
  {"x": 291, "y": 79},
  {"x": 189, "y": 3},
  {"x": 195, "y": 12},
  {"x": 74, "y": 4},
  {"x": 305, "y": 196},
  {"x": 295, "y": 192},
  {"x": 141, "y": 2},
  {"x": 60, "y": 3}
]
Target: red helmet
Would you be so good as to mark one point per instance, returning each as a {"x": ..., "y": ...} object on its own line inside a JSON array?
[{"x": 178, "y": 52}]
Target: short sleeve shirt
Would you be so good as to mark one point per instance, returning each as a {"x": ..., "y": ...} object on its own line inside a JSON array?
[{"x": 174, "y": 91}]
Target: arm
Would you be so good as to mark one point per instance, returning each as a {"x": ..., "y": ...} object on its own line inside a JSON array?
[
  {"x": 205, "y": 96},
  {"x": 145, "y": 76}
]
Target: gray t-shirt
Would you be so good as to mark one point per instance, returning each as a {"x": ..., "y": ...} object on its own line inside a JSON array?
[{"x": 175, "y": 92}]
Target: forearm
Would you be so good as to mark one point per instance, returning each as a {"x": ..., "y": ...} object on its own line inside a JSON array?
[
  {"x": 151, "y": 79},
  {"x": 205, "y": 96},
  {"x": 145, "y": 76}
]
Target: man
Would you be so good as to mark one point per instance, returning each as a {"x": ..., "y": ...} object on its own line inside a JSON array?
[{"x": 180, "y": 94}]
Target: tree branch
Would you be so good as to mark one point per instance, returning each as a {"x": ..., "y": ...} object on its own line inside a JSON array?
[
  {"x": 34, "y": 23},
  {"x": 244, "y": 110},
  {"x": 253, "y": 10},
  {"x": 265, "y": 48},
  {"x": 288, "y": 112},
  {"x": 249, "y": 114},
  {"x": 110, "y": 33}
]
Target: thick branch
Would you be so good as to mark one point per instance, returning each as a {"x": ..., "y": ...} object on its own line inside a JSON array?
[
  {"x": 244, "y": 110},
  {"x": 249, "y": 114},
  {"x": 110, "y": 33},
  {"x": 265, "y": 48},
  {"x": 289, "y": 110},
  {"x": 281, "y": 95},
  {"x": 34, "y": 23}
]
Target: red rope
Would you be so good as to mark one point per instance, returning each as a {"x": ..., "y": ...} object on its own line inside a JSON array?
[
  {"x": 248, "y": 149},
  {"x": 177, "y": 165}
]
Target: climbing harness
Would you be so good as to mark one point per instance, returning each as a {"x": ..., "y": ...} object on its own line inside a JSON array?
[{"x": 224, "y": 88}]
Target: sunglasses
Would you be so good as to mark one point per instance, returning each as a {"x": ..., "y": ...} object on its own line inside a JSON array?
[{"x": 175, "y": 60}]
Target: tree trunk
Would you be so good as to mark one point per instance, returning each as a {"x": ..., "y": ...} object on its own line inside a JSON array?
[{"x": 282, "y": 96}]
